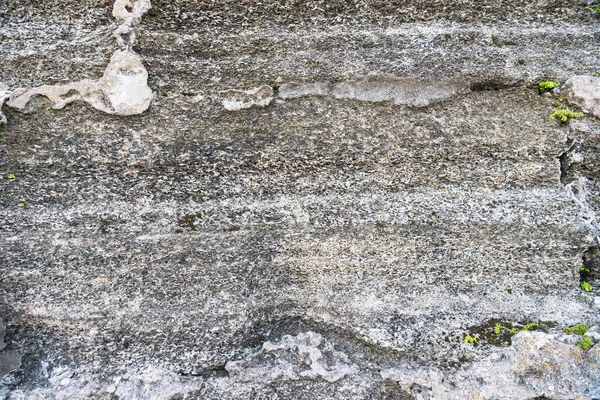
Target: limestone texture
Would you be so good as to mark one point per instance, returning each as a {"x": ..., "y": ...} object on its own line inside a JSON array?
[
  {"x": 122, "y": 90},
  {"x": 585, "y": 91},
  {"x": 357, "y": 199}
]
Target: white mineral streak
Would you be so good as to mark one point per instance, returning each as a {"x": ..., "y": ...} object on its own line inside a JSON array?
[
  {"x": 295, "y": 357},
  {"x": 235, "y": 100},
  {"x": 294, "y": 90},
  {"x": 376, "y": 87},
  {"x": 122, "y": 90},
  {"x": 128, "y": 13},
  {"x": 584, "y": 91}
]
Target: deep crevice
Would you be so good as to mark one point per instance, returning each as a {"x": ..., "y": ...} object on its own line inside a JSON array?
[
  {"x": 213, "y": 371},
  {"x": 589, "y": 270},
  {"x": 563, "y": 158},
  {"x": 491, "y": 85}
]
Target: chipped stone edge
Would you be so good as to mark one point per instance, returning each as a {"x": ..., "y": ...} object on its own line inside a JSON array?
[{"x": 4, "y": 95}]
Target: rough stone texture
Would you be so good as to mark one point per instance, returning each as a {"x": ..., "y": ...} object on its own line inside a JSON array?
[
  {"x": 253, "y": 249},
  {"x": 294, "y": 358},
  {"x": 235, "y": 100},
  {"x": 4, "y": 93},
  {"x": 585, "y": 91},
  {"x": 10, "y": 360},
  {"x": 123, "y": 90},
  {"x": 376, "y": 87},
  {"x": 535, "y": 363}
]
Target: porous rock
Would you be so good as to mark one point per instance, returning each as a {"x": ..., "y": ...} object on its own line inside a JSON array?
[{"x": 323, "y": 200}]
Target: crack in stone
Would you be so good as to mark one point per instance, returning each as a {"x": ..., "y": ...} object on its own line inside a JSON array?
[{"x": 565, "y": 161}]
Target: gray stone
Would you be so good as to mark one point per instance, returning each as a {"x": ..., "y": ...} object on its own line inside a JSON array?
[
  {"x": 294, "y": 358},
  {"x": 322, "y": 200},
  {"x": 4, "y": 94},
  {"x": 10, "y": 360},
  {"x": 123, "y": 90},
  {"x": 294, "y": 90}
]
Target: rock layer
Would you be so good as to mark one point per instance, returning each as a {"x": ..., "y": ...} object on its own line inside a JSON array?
[{"x": 323, "y": 200}]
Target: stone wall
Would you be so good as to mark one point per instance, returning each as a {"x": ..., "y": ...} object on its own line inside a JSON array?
[{"x": 299, "y": 199}]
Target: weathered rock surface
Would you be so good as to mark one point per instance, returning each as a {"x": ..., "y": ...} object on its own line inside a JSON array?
[
  {"x": 122, "y": 90},
  {"x": 585, "y": 91},
  {"x": 10, "y": 360},
  {"x": 322, "y": 199}
]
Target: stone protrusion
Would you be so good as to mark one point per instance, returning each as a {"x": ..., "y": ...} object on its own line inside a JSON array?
[
  {"x": 378, "y": 87},
  {"x": 122, "y": 90},
  {"x": 584, "y": 91}
]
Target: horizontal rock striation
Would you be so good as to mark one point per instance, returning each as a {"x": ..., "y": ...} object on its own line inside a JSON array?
[{"x": 322, "y": 200}]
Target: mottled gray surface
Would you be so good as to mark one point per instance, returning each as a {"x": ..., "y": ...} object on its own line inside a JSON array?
[{"x": 259, "y": 234}]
